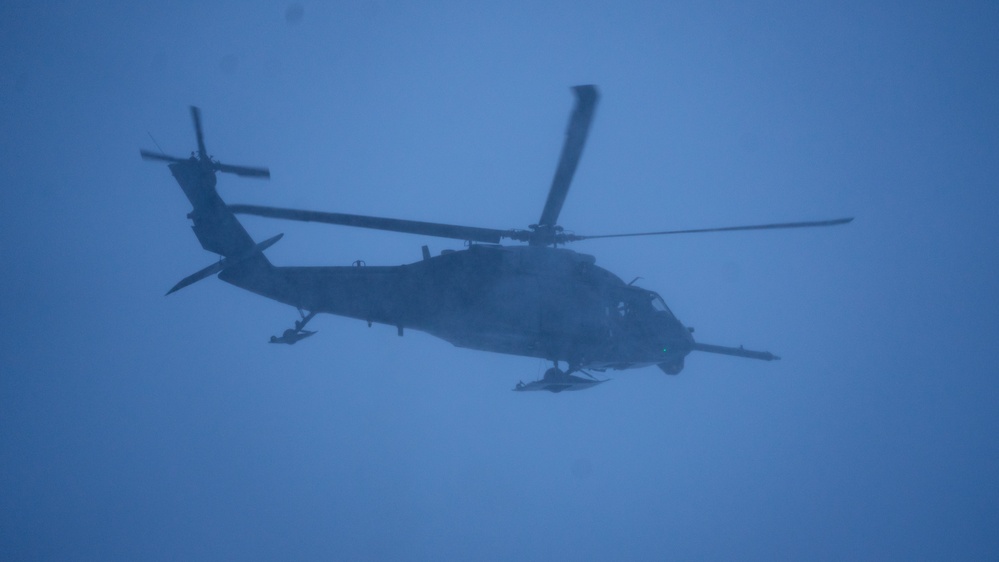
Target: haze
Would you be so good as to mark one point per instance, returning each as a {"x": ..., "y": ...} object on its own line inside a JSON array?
[{"x": 135, "y": 426}]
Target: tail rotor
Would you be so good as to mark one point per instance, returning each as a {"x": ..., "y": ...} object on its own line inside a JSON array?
[{"x": 203, "y": 158}]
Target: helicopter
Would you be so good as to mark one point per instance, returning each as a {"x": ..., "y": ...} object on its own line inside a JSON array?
[{"x": 537, "y": 299}]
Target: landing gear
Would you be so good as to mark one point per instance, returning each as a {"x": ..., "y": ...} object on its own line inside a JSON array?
[
  {"x": 557, "y": 380},
  {"x": 554, "y": 374},
  {"x": 298, "y": 333}
]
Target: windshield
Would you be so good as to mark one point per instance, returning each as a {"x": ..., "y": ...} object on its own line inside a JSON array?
[{"x": 659, "y": 304}]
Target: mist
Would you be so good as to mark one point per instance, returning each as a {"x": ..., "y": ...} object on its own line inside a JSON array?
[{"x": 138, "y": 426}]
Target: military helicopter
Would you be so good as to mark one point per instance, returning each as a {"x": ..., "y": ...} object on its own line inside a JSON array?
[{"x": 536, "y": 299}]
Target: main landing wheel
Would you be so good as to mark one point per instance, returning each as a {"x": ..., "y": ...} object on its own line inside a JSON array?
[{"x": 553, "y": 374}]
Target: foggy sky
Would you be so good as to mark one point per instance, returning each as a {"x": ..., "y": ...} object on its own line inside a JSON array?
[{"x": 135, "y": 426}]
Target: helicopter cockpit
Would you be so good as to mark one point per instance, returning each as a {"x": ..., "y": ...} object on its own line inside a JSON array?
[
  {"x": 659, "y": 304},
  {"x": 641, "y": 318},
  {"x": 642, "y": 303}
]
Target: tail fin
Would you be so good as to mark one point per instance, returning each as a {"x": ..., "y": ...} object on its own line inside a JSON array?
[
  {"x": 216, "y": 227},
  {"x": 214, "y": 224}
]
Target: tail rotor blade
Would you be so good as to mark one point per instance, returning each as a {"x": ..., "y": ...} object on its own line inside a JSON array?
[
  {"x": 245, "y": 171},
  {"x": 147, "y": 155},
  {"x": 203, "y": 161}
]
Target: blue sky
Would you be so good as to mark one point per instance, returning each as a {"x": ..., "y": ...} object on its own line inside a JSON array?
[{"x": 138, "y": 426}]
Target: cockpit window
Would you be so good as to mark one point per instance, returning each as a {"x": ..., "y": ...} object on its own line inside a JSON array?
[
  {"x": 659, "y": 304},
  {"x": 635, "y": 302}
]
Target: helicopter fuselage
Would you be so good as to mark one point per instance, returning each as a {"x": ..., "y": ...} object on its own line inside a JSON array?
[{"x": 550, "y": 303}]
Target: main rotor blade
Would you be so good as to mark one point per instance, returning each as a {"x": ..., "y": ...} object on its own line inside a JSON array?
[
  {"x": 572, "y": 149},
  {"x": 833, "y": 222},
  {"x": 245, "y": 171},
  {"x": 475, "y": 234},
  {"x": 196, "y": 115},
  {"x": 147, "y": 155}
]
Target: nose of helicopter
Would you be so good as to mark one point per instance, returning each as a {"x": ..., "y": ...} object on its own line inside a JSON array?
[{"x": 677, "y": 341}]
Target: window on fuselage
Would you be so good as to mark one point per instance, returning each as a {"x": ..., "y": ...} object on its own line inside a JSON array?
[
  {"x": 630, "y": 306},
  {"x": 660, "y": 305}
]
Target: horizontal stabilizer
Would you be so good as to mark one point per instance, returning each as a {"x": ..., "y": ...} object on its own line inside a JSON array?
[
  {"x": 222, "y": 264},
  {"x": 735, "y": 351},
  {"x": 198, "y": 276}
]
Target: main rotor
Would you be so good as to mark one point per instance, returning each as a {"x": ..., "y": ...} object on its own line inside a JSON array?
[{"x": 547, "y": 231}]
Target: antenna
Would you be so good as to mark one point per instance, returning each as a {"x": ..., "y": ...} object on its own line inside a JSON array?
[{"x": 154, "y": 142}]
